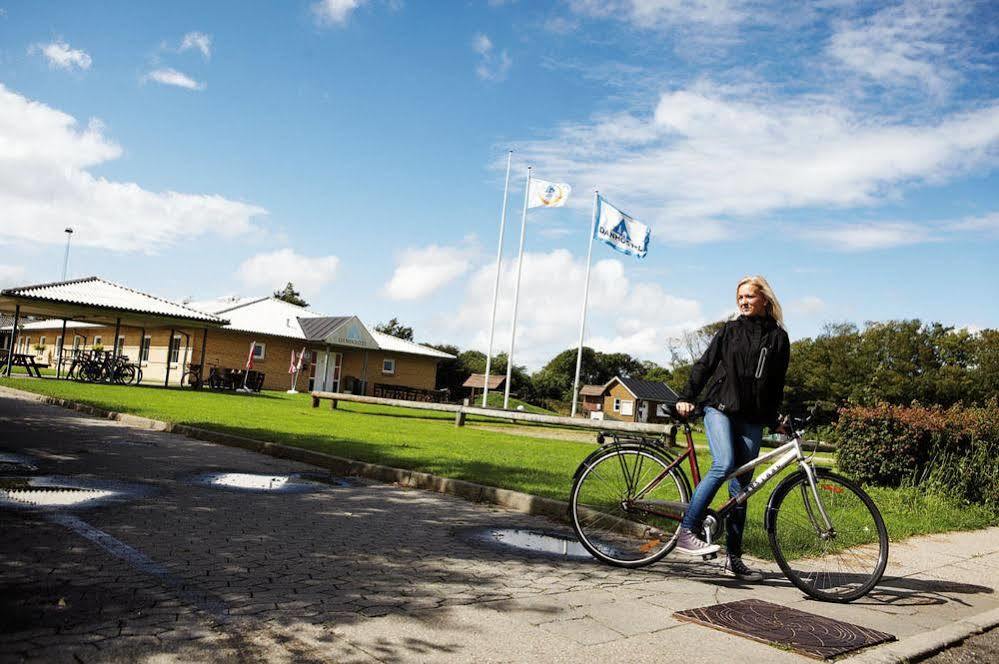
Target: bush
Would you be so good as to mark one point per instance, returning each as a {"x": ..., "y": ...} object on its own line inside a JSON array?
[{"x": 954, "y": 450}]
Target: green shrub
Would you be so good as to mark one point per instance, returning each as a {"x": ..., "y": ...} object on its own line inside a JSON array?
[{"x": 954, "y": 450}]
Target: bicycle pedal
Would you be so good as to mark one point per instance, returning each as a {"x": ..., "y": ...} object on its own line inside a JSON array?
[{"x": 710, "y": 556}]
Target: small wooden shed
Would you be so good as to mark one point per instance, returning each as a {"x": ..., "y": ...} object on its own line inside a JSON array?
[{"x": 478, "y": 382}]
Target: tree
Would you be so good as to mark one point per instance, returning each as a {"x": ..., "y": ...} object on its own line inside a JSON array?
[
  {"x": 396, "y": 329},
  {"x": 290, "y": 295}
]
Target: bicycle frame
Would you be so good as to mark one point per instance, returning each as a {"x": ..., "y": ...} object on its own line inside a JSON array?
[{"x": 785, "y": 455}]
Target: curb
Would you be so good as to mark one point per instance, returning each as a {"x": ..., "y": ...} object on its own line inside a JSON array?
[
  {"x": 921, "y": 646},
  {"x": 479, "y": 493}
]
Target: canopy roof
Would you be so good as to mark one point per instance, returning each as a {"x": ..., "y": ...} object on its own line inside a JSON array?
[
  {"x": 478, "y": 381},
  {"x": 96, "y": 300}
]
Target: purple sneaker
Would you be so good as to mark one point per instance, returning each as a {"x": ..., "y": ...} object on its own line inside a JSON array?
[{"x": 690, "y": 544}]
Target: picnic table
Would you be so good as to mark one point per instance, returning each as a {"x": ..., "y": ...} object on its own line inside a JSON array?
[{"x": 25, "y": 360}]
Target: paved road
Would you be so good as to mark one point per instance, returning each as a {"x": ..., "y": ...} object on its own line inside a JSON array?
[
  {"x": 981, "y": 649},
  {"x": 364, "y": 572}
]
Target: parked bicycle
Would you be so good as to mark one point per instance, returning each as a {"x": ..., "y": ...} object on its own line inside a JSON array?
[
  {"x": 102, "y": 366},
  {"x": 827, "y": 535}
]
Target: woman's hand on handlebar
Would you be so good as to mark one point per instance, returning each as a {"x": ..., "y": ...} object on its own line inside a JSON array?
[{"x": 684, "y": 408}]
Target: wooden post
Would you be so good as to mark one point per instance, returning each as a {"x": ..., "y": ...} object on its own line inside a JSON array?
[
  {"x": 62, "y": 346},
  {"x": 459, "y": 417},
  {"x": 333, "y": 404},
  {"x": 315, "y": 401}
]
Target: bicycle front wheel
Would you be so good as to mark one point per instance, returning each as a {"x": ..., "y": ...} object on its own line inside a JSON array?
[
  {"x": 838, "y": 560},
  {"x": 617, "y": 517}
]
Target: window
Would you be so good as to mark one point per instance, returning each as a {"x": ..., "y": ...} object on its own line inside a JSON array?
[
  {"x": 617, "y": 405},
  {"x": 121, "y": 346},
  {"x": 259, "y": 351},
  {"x": 41, "y": 341},
  {"x": 144, "y": 353},
  {"x": 627, "y": 407},
  {"x": 77, "y": 343},
  {"x": 97, "y": 342},
  {"x": 388, "y": 367},
  {"x": 27, "y": 345},
  {"x": 175, "y": 349},
  {"x": 58, "y": 348}
]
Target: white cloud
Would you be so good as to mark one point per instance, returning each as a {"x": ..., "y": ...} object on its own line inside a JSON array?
[
  {"x": 10, "y": 274},
  {"x": 700, "y": 160},
  {"x": 808, "y": 305},
  {"x": 491, "y": 66},
  {"x": 61, "y": 56},
  {"x": 663, "y": 13},
  {"x": 273, "y": 270},
  {"x": 198, "y": 41},
  {"x": 420, "y": 272},
  {"x": 168, "y": 76},
  {"x": 334, "y": 12},
  {"x": 988, "y": 224},
  {"x": 636, "y": 318},
  {"x": 863, "y": 237},
  {"x": 45, "y": 186},
  {"x": 906, "y": 44}
]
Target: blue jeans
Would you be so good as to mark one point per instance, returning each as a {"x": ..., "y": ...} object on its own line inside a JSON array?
[{"x": 733, "y": 443}]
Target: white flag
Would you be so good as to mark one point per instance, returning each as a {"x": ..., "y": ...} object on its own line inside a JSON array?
[
  {"x": 548, "y": 194},
  {"x": 620, "y": 231}
]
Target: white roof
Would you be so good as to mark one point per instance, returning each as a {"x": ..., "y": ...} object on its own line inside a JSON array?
[
  {"x": 53, "y": 323},
  {"x": 102, "y": 294},
  {"x": 397, "y": 345},
  {"x": 269, "y": 315}
]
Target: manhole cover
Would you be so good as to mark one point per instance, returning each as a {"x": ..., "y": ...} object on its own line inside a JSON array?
[
  {"x": 55, "y": 492},
  {"x": 533, "y": 541},
  {"x": 16, "y": 463},
  {"x": 784, "y": 627},
  {"x": 266, "y": 482}
]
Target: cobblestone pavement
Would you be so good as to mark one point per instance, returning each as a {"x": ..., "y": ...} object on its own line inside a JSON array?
[
  {"x": 234, "y": 573},
  {"x": 364, "y": 572}
]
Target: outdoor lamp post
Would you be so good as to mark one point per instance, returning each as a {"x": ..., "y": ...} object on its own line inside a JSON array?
[{"x": 65, "y": 260}]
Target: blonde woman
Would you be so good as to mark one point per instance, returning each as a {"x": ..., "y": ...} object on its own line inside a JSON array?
[{"x": 743, "y": 369}]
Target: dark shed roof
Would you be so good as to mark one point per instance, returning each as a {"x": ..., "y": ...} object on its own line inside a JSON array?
[
  {"x": 317, "y": 329},
  {"x": 650, "y": 391}
]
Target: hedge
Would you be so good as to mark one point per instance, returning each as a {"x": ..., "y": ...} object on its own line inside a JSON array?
[{"x": 955, "y": 450}]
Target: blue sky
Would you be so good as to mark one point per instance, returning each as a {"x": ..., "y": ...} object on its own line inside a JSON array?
[{"x": 846, "y": 150}]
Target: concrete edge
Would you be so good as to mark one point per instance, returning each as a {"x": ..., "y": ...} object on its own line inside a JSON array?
[
  {"x": 927, "y": 644},
  {"x": 515, "y": 500}
]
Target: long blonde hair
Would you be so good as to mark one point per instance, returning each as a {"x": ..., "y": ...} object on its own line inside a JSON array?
[{"x": 773, "y": 304}]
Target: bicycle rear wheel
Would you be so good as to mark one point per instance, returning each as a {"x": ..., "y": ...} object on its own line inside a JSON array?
[
  {"x": 837, "y": 564},
  {"x": 612, "y": 523}
]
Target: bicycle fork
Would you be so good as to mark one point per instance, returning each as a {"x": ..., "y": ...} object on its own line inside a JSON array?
[{"x": 823, "y": 529}]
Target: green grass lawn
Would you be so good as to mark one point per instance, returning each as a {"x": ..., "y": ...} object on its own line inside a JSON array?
[{"x": 429, "y": 442}]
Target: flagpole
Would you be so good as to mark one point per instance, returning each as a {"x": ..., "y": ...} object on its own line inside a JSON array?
[
  {"x": 516, "y": 292},
  {"x": 499, "y": 257},
  {"x": 582, "y": 315}
]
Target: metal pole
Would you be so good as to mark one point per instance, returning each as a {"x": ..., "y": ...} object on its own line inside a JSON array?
[
  {"x": 166, "y": 381},
  {"x": 499, "y": 258},
  {"x": 516, "y": 292},
  {"x": 582, "y": 314},
  {"x": 10, "y": 344},
  {"x": 62, "y": 347},
  {"x": 117, "y": 329},
  {"x": 204, "y": 345},
  {"x": 65, "y": 260}
]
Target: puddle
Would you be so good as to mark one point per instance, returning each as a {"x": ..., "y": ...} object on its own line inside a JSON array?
[
  {"x": 534, "y": 541},
  {"x": 56, "y": 492},
  {"x": 267, "y": 482},
  {"x": 16, "y": 463}
]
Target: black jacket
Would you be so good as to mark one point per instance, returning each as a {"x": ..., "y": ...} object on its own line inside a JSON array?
[{"x": 744, "y": 369}]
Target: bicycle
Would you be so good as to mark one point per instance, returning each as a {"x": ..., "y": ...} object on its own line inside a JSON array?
[{"x": 827, "y": 535}]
